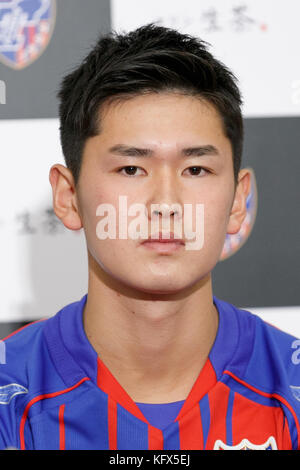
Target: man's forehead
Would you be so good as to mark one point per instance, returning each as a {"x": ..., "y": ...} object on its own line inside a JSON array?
[
  {"x": 152, "y": 117},
  {"x": 144, "y": 103}
]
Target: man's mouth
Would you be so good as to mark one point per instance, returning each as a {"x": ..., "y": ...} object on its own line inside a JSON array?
[{"x": 163, "y": 242}]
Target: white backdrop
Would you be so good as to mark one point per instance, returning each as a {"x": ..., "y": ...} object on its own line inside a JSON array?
[
  {"x": 43, "y": 265},
  {"x": 257, "y": 39}
]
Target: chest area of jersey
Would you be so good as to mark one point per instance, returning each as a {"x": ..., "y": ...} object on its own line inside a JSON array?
[{"x": 222, "y": 419}]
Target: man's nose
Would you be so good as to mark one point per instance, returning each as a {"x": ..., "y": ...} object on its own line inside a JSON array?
[{"x": 164, "y": 200}]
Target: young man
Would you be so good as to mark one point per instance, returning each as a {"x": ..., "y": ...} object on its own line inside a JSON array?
[{"x": 149, "y": 358}]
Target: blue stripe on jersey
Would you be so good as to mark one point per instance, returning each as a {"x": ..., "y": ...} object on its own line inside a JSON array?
[
  {"x": 86, "y": 421},
  {"x": 45, "y": 437},
  {"x": 229, "y": 418},
  {"x": 205, "y": 418},
  {"x": 171, "y": 437},
  {"x": 132, "y": 433}
]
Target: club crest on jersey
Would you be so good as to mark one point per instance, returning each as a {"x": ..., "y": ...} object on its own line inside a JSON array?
[
  {"x": 26, "y": 27},
  {"x": 270, "y": 444},
  {"x": 7, "y": 392}
]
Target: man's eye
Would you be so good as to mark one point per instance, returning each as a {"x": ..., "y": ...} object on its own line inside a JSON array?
[
  {"x": 129, "y": 170},
  {"x": 197, "y": 170},
  {"x": 132, "y": 170}
]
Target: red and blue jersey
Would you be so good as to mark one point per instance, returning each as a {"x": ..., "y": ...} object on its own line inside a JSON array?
[{"x": 56, "y": 393}]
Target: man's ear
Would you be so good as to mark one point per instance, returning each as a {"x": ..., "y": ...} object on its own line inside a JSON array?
[
  {"x": 239, "y": 209},
  {"x": 65, "y": 204}
]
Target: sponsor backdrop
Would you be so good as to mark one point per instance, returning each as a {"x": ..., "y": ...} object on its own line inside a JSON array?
[{"x": 43, "y": 265}]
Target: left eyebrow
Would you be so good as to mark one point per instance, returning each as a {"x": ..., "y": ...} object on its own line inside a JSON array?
[{"x": 128, "y": 151}]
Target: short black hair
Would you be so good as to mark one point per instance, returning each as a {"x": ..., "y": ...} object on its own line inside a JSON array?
[{"x": 153, "y": 59}]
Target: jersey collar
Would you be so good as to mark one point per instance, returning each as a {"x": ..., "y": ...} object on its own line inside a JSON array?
[{"x": 75, "y": 358}]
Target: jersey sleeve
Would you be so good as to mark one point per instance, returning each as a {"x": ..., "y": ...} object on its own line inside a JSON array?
[
  {"x": 274, "y": 368},
  {"x": 22, "y": 359},
  {"x": 9, "y": 418}
]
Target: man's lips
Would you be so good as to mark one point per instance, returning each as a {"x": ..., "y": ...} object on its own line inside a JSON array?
[{"x": 164, "y": 238}]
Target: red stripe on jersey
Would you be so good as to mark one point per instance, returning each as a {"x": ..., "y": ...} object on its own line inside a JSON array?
[
  {"x": 109, "y": 385},
  {"x": 112, "y": 424},
  {"x": 205, "y": 381},
  {"x": 38, "y": 398},
  {"x": 190, "y": 430},
  {"x": 218, "y": 401},
  {"x": 61, "y": 427},
  {"x": 270, "y": 395},
  {"x": 155, "y": 438},
  {"x": 256, "y": 422}
]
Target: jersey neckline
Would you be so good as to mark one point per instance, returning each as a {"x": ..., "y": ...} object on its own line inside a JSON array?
[{"x": 75, "y": 358}]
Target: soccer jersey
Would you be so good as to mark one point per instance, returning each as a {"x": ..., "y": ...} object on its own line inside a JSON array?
[{"x": 56, "y": 393}]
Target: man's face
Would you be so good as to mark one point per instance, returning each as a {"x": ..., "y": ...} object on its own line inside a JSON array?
[{"x": 167, "y": 126}]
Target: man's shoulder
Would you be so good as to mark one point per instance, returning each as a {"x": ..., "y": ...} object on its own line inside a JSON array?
[
  {"x": 34, "y": 354},
  {"x": 272, "y": 343},
  {"x": 23, "y": 336},
  {"x": 24, "y": 353},
  {"x": 27, "y": 374},
  {"x": 273, "y": 365},
  {"x": 264, "y": 334},
  {"x": 22, "y": 342}
]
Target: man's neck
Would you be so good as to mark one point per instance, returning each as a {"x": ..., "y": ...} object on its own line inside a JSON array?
[{"x": 154, "y": 345}]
